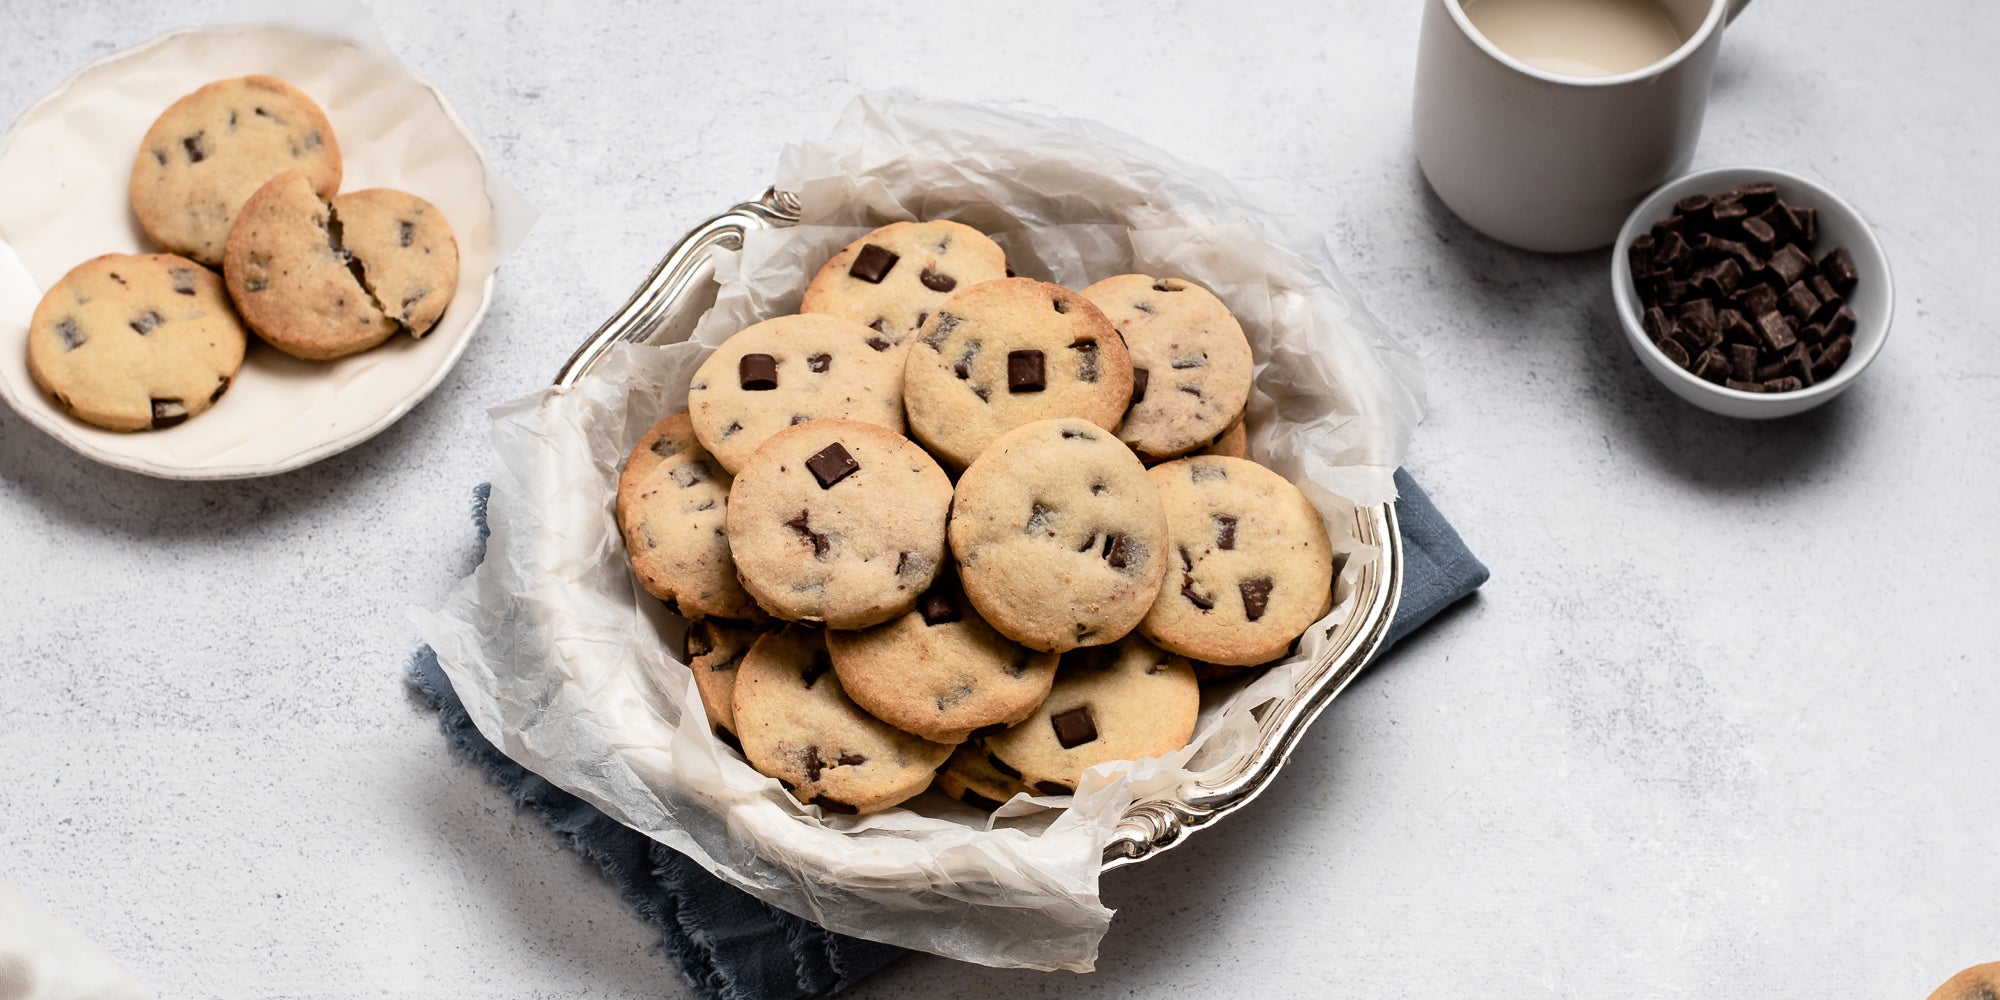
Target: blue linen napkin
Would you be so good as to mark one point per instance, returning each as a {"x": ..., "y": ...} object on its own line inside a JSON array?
[{"x": 731, "y": 945}]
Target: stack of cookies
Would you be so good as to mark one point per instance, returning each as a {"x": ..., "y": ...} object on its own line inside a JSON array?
[
  {"x": 949, "y": 526},
  {"x": 239, "y": 176}
]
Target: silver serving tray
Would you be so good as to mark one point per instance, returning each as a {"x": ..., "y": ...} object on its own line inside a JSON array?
[{"x": 665, "y": 309}]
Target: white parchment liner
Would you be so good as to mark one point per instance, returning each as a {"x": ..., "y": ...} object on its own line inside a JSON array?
[
  {"x": 64, "y": 170},
  {"x": 570, "y": 669}
]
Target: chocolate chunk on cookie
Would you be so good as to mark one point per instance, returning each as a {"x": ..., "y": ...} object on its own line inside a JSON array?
[
  {"x": 406, "y": 251},
  {"x": 673, "y": 521},
  {"x": 1196, "y": 358},
  {"x": 1251, "y": 563},
  {"x": 1109, "y": 703},
  {"x": 136, "y": 342},
  {"x": 293, "y": 281},
  {"x": 851, "y": 550},
  {"x": 797, "y": 725},
  {"x": 1059, "y": 535},
  {"x": 893, "y": 278},
  {"x": 785, "y": 371},
  {"x": 211, "y": 150},
  {"x": 940, "y": 671},
  {"x": 1007, "y": 353}
]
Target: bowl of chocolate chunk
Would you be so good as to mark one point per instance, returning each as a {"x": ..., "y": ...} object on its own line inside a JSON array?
[{"x": 1751, "y": 292}]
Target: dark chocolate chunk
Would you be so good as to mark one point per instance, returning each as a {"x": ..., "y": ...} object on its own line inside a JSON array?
[
  {"x": 196, "y": 150},
  {"x": 879, "y": 344},
  {"x": 1139, "y": 378},
  {"x": 1038, "y": 519},
  {"x": 1192, "y": 591},
  {"x": 802, "y": 524},
  {"x": 1053, "y": 788},
  {"x": 1808, "y": 219},
  {"x": 1772, "y": 369},
  {"x": 819, "y": 362},
  {"x": 1086, "y": 360},
  {"x": 872, "y": 264},
  {"x": 71, "y": 334},
  {"x": 757, "y": 372},
  {"x": 851, "y": 760},
  {"x": 1658, "y": 326},
  {"x": 1024, "y": 371},
  {"x": 1742, "y": 386},
  {"x": 1776, "y": 331},
  {"x": 1813, "y": 333},
  {"x": 1075, "y": 727},
  {"x": 313, "y": 141},
  {"x": 1002, "y": 766},
  {"x": 1799, "y": 364},
  {"x": 1119, "y": 551},
  {"x": 221, "y": 386},
  {"x": 1675, "y": 254},
  {"x": 1640, "y": 259},
  {"x": 1167, "y": 285},
  {"x": 1783, "y": 222},
  {"x": 1225, "y": 532},
  {"x": 1758, "y": 195},
  {"x": 1799, "y": 301},
  {"x": 147, "y": 322},
  {"x": 1759, "y": 299},
  {"x": 1729, "y": 210},
  {"x": 406, "y": 233},
  {"x": 1698, "y": 312},
  {"x": 1832, "y": 356},
  {"x": 1742, "y": 362},
  {"x": 1695, "y": 208},
  {"x": 1256, "y": 596},
  {"x": 938, "y": 606},
  {"x": 1823, "y": 289},
  {"x": 183, "y": 278},
  {"x": 1204, "y": 472},
  {"x": 937, "y": 282},
  {"x": 1760, "y": 233},
  {"x": 1188, "y": 361},
  {"x": 832, "y": 464},
  {"x": 1785, "y": 384},
  {"x": 168, "y": 412},
  {"x": 1842, "y": 324},
  {"x": 1839, "y": 269},
  {"x": 1790, "y": 264},
  {"x": 1674, "y": 351},
  {"x": 1721, "y": 279},
  {"x": 1711, "y": 367}
]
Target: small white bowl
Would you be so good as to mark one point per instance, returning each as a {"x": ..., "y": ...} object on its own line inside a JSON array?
[{"x": 1873, "y": 299}]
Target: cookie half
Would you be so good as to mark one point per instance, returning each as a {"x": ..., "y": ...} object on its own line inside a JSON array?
[
  {"x": 667, "y": 439},
  {"x": 673, "y": 522},
  {"x": 1191, "y": 364},
  {"x": 292, "y": 281},
  {"x": 406, "y": 251},
  {"x": 210, "y": 151},
  {"x": 1109, "y": 703},
  {"x": 1007, "y": 353},
  {"x": 838, "y": 522},
  {"x": 786, "y": 371},
  {"x": 941, "y": 671},
  {"x": 135, "y": 342},
  {"x": 894, "y": 278},
  {"x": 1059, "y": 535},
  {"x": 1251, "y": 564},
  {"x": 713, "y": 649},
  {"x": 798, "y": 726}
]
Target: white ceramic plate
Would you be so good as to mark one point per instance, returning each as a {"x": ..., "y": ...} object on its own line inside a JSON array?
[{"x": 64, "y": 167}]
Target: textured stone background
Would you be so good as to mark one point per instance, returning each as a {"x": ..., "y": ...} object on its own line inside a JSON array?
[{"x": 1722, "y": 724}]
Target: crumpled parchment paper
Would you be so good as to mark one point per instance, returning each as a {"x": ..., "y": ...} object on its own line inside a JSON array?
[{"x": 571, "y": 669}]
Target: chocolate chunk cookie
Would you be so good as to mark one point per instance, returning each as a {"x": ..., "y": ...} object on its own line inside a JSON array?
[
  {"x": 672, "y": 520},
  {"x": 293, "y": 282},
  {"x": 1251, "y": 563},
  {"x": 1191, "y": 365},
  {"x": 786, "y": 371},
  {"x": 798, "y": 726},
  {"x": 1006, "y": 353},
  {"x": 406, "y": 251},
  {"x": 135, "y": 342},
  {"x": 892, "y": 279},
  {"x": 1059, "y": 535},
  {"x": 940, "y": 671},
  {"x": 664, "y": 440},
  {"x": 1981, "y": 982},
  {"x": 971, "y": 778},
  {"x": 839, "y": 522},
  {"x": 1109, "y": 703},
  {"x": 208, "y": 153},
  {"x": 714, "y": 648}
]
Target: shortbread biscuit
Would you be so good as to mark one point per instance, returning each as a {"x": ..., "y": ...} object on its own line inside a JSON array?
[
  {"x": 798, "y": 726},
  {"x": 892, "y": 279},
  {"x": 1059, "y": 535},
  {"x": 208, "y": 153},
  {"x": 136, "y": 342},
  {"x": 1109, "y": 703}
]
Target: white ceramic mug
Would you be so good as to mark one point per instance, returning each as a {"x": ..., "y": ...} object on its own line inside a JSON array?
[{"x": 1551, "y": 162}]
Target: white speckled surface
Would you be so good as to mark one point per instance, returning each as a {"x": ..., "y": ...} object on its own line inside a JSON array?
[{"x": 1722, "y": 724}]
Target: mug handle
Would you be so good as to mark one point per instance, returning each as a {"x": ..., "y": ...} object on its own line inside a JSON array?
[{"x": 1735, "y": 8}]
